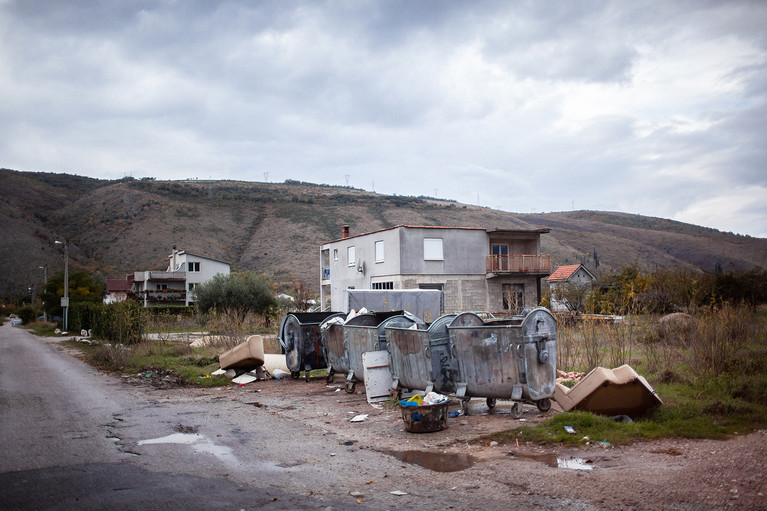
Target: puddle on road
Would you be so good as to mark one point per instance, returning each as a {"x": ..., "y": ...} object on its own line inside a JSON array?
[
  {"x": 555, "y": 462},
  {"x": 200, "y": 443},
  {"x": 175, "y": 438},
  {"x": 436, "y": 461}
]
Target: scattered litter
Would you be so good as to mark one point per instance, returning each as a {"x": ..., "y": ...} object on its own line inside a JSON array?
[
  {"x": 359, "y": 418},
  {"x": 356, "y": 494},
  {"x": 570, "y": 430},
  {"x": 433, "y": 398},
  {"x": 332, "y": 454},
  {"x": 244, "y": 379},
  {"x": 398, "y": 492},
  {"x": 454, "y": 414},
  {"x": 417, "y": 399},
  {"x": 377, "y": 406},
  {"x": 337, "y": 390},
  {"x": 218, "y": 372},
  {"x": 279, "y": 374}
]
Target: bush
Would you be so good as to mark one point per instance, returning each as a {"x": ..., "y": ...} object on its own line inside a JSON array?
[
  {"x": 117, "y": 322},
  {"x": 27, "y": 314}
]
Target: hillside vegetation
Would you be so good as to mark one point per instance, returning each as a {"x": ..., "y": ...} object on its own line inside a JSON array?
[{"x": 115, "y": 227}]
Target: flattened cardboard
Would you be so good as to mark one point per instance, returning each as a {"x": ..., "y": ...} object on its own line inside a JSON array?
[{"x": 619, "y": 391}]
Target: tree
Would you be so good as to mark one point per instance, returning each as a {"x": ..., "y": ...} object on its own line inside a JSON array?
[
  {"x": 82, "y": 288},
  {"x": 237, "y": 294}
]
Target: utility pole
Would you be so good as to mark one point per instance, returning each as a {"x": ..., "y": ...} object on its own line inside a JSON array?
[
  {"x": 65, "y": 299},
  {"x": 45, "y": 283}
]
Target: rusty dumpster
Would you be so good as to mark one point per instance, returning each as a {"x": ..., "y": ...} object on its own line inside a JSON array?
[
  {"x": 300, "y": 341},
  {"x": 513, "y": 359},
  {"x": 367, "y": 332}
]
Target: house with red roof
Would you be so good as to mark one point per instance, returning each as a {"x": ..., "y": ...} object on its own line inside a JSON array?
[
  {"x": 571, "y": 279},
  {"x": 117, "y": 290}
]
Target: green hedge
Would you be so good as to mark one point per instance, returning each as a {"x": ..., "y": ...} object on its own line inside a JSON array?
[
  {"x": 116, "y": 322},
  {"x": 183, "y": 310}
]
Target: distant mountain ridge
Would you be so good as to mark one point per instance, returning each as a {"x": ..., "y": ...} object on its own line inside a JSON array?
[{"x": 117, "y": 226}]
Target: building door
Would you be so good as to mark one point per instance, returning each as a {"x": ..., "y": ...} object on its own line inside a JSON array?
[
  {"x": 500, "y": 253},
  {"x": 513, "y": 298}
]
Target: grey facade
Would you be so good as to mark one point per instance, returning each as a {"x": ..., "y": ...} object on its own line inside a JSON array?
[{"x": 476, "y": 269}]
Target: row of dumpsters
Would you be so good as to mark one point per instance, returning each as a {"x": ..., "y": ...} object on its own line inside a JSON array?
[{"x": 458, "y": 354}]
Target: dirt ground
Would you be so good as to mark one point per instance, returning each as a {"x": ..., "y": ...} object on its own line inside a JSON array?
[{"x": 664, "y": 474}]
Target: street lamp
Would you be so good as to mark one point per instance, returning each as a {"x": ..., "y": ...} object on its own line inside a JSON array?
[
  {"x": 65, "y": 299},
  {"x": 45, "y": 283}
]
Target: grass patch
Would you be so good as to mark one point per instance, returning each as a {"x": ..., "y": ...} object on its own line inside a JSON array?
[
  {"x": 43, "y": 329},
  {"x": 194, "y": 365},
  {"x": 716, "y": 408}
]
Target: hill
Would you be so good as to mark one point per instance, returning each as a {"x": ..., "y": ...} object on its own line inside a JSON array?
[{"x": 118, "y": 226}]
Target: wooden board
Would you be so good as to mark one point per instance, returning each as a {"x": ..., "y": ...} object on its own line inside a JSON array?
[{"x": 378, "y": 378}]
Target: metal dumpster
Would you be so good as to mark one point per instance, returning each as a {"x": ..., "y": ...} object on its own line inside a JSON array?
[
  {"x": 332, "y": 338},
  {"x": 421, "y": 359},
  {"x": 367, "y": 332},
  {"x": 300, "y": 341},
  {"x": 513, "y": 359}
]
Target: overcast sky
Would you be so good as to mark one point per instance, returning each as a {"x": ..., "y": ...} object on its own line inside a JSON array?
[{"x": 655, "y": 108}]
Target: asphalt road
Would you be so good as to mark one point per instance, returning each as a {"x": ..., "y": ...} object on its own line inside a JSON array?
[{"x": 73, "y": 438}]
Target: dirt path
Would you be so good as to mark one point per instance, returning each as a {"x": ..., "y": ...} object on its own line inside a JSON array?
[{"x": 664, "y": 474}]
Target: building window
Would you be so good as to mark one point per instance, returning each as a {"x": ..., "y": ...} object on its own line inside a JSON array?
[
  {"x": 498, "y": 249},
  {"x": 383, "y": 285},
  {"x": 514, "y": 297},
  {"x": 379, "y": 252},
  {"x": 432, "y": 249},
  {"x": 351, "y": 256},
  {"x": 335, "y": 254},
  {"x": 192, "y": 285},
  {"x": 193, "y": 267},
  {"x": 161, "y": 287}
]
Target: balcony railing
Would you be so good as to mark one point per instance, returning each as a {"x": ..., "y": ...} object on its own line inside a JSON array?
[
  {"x": 164, "y": 295},
  {"x": 518, "y": 263},
  {"x": 175, "y": 276}
]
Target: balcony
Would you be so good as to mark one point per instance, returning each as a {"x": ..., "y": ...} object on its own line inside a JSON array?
[
  {"x": 167, "y": 276},
  {"x": 164, "y": 296},
  {"x": 518, "y": 263}
]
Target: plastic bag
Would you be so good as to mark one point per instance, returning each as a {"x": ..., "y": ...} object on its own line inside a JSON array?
[{"x": 433, "y": 398}]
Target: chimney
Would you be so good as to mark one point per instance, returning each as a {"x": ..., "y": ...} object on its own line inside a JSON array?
[{"x": 344, "y": 232}]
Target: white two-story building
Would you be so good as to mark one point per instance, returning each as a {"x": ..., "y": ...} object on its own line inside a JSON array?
[
  {"x": 494, "y": 270},
  {"x": 175, "y": 286}
]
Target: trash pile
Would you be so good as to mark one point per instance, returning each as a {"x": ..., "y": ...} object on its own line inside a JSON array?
[{"x": 425, "y": 414}]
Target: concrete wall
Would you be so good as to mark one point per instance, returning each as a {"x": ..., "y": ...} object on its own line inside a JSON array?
[
  {"x": 464, "y": 251},
  {"x": 343, "y": 276}
]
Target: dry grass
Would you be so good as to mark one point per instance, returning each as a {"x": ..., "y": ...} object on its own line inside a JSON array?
[{"x": 708, "y": 344}]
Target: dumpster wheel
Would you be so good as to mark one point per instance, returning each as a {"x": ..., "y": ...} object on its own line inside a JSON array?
[
  {"x": 465, "y": 406},
  {"x": 350, "y": 386},
  {"x": 295, "y": 374},
  {"x": 516, "y": 410},
  {"x": 544, "y": 404},
  {"x": 491, "y": 402},
  {"x": 329, "y": 377}
]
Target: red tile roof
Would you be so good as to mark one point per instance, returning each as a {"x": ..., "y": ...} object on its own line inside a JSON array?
[
  {"x": 563, "y": 272},
  {"x": 117, "y": 285}
]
